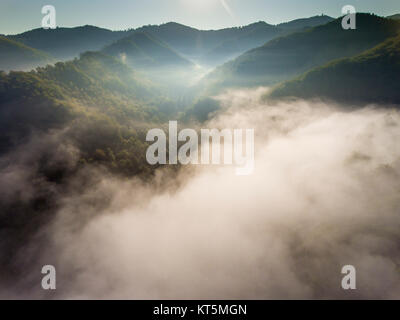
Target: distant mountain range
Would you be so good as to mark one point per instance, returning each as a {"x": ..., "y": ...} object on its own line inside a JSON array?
[
  {"x": 106, "y": 102},
  {"x": 102, "y": 91},
  {"x": 212, "y": 47},
  {"x": 256, "y": 35},
  {"x": 161, "y": 52},
  {"x": 285, "y": 57},
  {"x": 209, "y": 47}
]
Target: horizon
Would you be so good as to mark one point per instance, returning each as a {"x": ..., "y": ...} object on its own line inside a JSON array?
[
  {"x": 175, "y": 22},
  {"x": 189, "y": 26},
  {"x": 209, "y": 14}
]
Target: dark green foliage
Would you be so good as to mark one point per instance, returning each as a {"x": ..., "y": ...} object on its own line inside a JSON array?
[
  {"x": 105, "y": 106},
  {"x": 373, "y": 76}
]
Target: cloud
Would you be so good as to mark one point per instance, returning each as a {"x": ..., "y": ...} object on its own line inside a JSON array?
[{"x": 324, "y": 194}]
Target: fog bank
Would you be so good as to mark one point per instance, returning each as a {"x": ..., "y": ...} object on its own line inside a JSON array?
[{"x": 324, "y": 194}]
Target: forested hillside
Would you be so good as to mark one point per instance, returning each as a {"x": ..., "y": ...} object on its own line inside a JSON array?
[
  {"x": 104, "y": 104},
  {"x": 371, "y": 77},
  {"x": 284, "y": 57}
]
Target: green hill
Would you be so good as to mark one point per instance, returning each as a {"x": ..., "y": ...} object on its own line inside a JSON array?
[
  {"x": 104, "y": 104},
  {"x": 371, "y": 77},
  {"x": 141, "y": 50},
  {"x": 284, "y": 57},
  {"x": 67, "y": 43},
  {"x": 17, "y": 56}
]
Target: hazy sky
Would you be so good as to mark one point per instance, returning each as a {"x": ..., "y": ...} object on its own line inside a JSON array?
[{"x": 21, "y": 15}]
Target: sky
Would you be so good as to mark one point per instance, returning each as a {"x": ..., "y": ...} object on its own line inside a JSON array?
[{"x": 20, "y": 15}]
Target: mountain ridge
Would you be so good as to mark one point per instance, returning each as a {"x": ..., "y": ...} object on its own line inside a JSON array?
[
  {"x": 141, "y": 50},
  {"x": 209, "y": 47},
  {"x": 373, "y": 77},
  {"x": 65, "y": 43},
  {"x": 20, "y": 56},
  {"x": 284, "y": 57}
]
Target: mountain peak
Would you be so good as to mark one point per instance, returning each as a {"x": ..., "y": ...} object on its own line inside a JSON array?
[{"x": 143, "y": 50}]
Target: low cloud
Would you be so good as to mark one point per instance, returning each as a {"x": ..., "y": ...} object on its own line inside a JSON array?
[{"x": 324, "y": 194}]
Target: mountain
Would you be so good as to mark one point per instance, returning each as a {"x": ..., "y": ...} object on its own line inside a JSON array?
[
  {"x": 284, "y": 57},
  {"x": 17, "y": 56},
  {"x": 257, "y": 34},
  {"x": 58, "y": 119},
  {"x": 97, "y": 98},
  {"x": 67, "y": 43},
  {"x": 395, "y": 16},
  {"x": 248, "y": 37},
  {"x": 371, "y": 77},
  {"x": 141, "y": 50},
  {"x": 198, "y": 45},
  {"x": 212, "y": 47},
  {"x": 303, "y": 23},
  {"x": 189, "y": 41}
]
